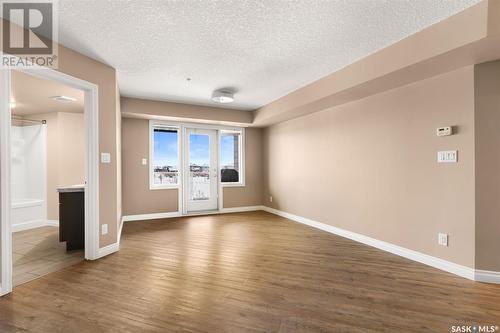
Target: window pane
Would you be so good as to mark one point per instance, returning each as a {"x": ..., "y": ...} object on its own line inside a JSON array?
[
  {"x": 165, "y": 157},
  {"x": 199, "y": 167},
  {"x": 230, "y": 157}
]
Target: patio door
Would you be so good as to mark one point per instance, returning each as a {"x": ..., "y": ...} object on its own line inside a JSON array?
[{"x": 201, "y": 170}]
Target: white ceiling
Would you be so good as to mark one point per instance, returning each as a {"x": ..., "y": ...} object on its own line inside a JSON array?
[
  {"x": 32, "y": 94},
  {"x": 264, "y": 49}
]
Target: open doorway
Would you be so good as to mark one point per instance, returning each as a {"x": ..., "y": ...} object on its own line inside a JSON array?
[
  {"x": 48, "y": 167},
  {"x": 89, "y": 190}
]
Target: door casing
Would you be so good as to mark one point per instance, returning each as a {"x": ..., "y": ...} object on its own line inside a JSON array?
[{"x": 213, "y": 203}]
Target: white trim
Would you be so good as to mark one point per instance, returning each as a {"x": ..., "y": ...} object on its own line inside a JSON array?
[
  {"x": 213, "y": 203},
  {"x": 152, "y": 216},
  {"x": 438, "y": 263},
  {"x": 182, "y": 126},
  {"x": 487, "y": 276},
  {"x": 120, "y": 229},
  {"x": 52, "y": 223},
  {"x": 241, "y": 157},
  {"x": 91, "y": 115},
  {"x": 5, "y": 191},
  {"x": 450, "y": 267},
  {"x": 107, "y": 250},
  {"x": 241, "y": 209},
  {"x": 34, "y": 224},
  {"x": 157, "y": 124}
]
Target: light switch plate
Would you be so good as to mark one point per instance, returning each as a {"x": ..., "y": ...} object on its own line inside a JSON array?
[
  {"x": 144, "y": 161},
  {"x": 447, "y": 156},
  {"x": 105, "y": 158},
  {"x": 104, "y": 229},
  {"x": 443, "y": 239}
]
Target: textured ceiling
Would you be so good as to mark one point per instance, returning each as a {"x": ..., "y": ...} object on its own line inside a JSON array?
[{"x": 263, "y": 49}]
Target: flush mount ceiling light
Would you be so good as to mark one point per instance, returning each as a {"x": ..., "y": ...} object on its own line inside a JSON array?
[
  {"x": 223, "y": 96},
  {"x": 63, "y": 99}
]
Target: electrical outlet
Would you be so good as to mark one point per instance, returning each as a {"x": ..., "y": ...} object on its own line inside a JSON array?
[
  {"x": 104, "y": 229},
  {"x": 270, "y": 199},
  {"x": 443, "y": 239}
]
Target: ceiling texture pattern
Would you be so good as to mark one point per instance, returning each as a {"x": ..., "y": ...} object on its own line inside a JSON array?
[{"x": 262, "y": 49}]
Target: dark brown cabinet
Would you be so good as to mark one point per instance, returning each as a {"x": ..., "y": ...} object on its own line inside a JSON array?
[{"x": 72, "y": 219}]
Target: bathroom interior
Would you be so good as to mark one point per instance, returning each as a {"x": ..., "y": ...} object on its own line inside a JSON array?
[{"x": 47, "y": 162}]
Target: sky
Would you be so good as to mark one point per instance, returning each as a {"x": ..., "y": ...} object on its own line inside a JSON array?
[{"x": 166, "y": 146}]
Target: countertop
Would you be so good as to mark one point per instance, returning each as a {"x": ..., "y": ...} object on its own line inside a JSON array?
[{"x": 73, "y": 188}]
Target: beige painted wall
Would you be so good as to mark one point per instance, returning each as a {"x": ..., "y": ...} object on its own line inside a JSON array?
[
  {"x": 370, "y": 166},
  {"x": 104, "y": 77},
  {"x": 65, "y": 154},
  {"x": 143, "y": 108},
  {"x": 139, "y": 199},
  {"x": 487, "y": 153},
  {"x": 85, "y": 68}
]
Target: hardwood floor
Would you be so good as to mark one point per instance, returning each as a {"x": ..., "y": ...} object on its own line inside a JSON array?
[
  {"x": 247, "y": 272},
  {"x": 37, "y": 252}
]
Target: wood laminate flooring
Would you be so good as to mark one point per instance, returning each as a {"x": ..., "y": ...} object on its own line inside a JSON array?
[
  {"x": 37, "y": 252},
  {"x": 246, "y": 272}
]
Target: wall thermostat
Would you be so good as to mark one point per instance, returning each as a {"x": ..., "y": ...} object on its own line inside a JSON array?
[{"x": 444, "y": 131}]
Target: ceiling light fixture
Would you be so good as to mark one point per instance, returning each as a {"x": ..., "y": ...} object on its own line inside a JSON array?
[
  {"x": 63, "y": 99},
  {"x": 223, "y": 96},
  {"x": 12, "y": 104}
]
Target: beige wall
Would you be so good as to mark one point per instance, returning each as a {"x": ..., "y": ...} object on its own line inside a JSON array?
[
  {"x": 142, "y": 108},
  {"x": 65, "y": 154},
  {"x": 104, "y": 77},
  {"x": 487, "y": 153},
  {"x": 251, "y": 194},
  {"x": 370, "y": 166},
  {"x": 85, "y": 68},
  {"x": 139, "y": 199}
]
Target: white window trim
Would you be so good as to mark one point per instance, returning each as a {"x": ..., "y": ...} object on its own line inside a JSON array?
[
  {"x": 180, "y": 126},
  {"x": 160, "y": 124},
  {"x": 241, "y": 149}
]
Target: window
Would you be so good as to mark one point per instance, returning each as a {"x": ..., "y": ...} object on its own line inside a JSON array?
[
  {"x": 164, "y": 157},
  {"x": 231, "y": 157}
]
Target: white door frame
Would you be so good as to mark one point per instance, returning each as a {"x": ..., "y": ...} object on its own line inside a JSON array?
[
  {"x": 91, "y": 116},
  {"x": 181, "y": 187},
  {"x": 214, "y": 159}
]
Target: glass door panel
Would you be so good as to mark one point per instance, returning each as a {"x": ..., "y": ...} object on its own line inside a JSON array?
[{"x": 202, "y": 170}]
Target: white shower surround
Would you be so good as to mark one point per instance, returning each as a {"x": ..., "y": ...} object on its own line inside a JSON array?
[{"x": 29, "y": 177}]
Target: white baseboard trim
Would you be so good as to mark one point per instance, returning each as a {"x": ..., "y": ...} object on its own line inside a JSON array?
[
  {"x": 104, "y": 251},
  {"x": 487, "y": 276},
  {"x": 167, "y": 215},
  {"x": 52, "y": 223},
  {"x": 152, "y": 216},
  {"x": 450, "y": 267},
  {"x": 34, "y": 224},
  {"x": 240, "y": 209}
]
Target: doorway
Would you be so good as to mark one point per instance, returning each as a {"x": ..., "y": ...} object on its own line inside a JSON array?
[
  {"x": 202, "y": 170},
  {"x": 91, "y": 186}
]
